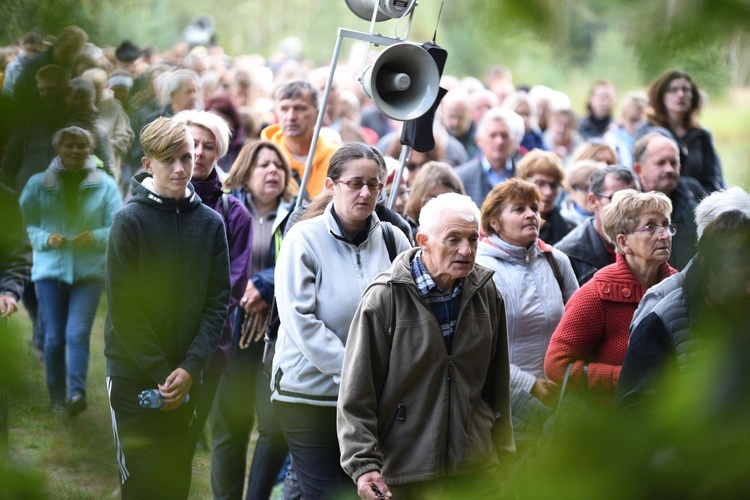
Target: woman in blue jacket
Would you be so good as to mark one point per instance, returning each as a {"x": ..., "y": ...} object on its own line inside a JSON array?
[{"x": 68, "y": 209}]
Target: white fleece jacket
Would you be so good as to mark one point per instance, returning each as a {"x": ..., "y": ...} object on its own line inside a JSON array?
[{"x": 320, "y": 279}]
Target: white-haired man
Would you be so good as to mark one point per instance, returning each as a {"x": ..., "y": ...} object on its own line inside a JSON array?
[
  {"x": 711, "y": 207},
  {"x": 498, "y": 135},
  {"x": 424, "y": 401}
]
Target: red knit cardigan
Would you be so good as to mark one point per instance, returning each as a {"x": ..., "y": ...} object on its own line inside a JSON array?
[{"x": 594, "y": 329}]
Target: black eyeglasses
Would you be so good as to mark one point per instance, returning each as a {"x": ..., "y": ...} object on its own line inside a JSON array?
[
  {"x": 358, "y": 185},
  {"x": 602, "y": 195},
  {"x": 657, "y": 229}
]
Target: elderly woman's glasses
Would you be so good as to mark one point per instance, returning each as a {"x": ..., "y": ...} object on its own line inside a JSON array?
[
  {"x": 656, "y": 229},
  {"x": 358, "y": 185}
]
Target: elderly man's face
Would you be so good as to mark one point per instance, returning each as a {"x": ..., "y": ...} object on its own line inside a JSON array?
[
  {"x": 187, "y": 96},
  {"x": 449, "y": 254},
  {"x": 496, "y": 143},
  {"x": 296, "y": 116},
  {"x": 660, "y": 169}
]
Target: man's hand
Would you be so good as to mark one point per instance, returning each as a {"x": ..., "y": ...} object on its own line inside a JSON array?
[
  {"x": 8, "y": 305},
  {"x": 252, "y": 301},
  {"x": 83, "y": 239},
  {"x": 370, "y": 484},
  {"x": 175, "y": 388},
  {"x": 56, "y": 240},
  {"x": 545, "y": 391}
]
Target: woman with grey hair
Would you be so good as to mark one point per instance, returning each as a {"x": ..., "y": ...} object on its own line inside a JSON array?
[
  {"x": 68, "y": 210},
  {"x": 593, "y": 332},
  {"x": 324, "y": 265}
]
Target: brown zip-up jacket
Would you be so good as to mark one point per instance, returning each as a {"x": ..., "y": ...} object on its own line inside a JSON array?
[{"x": 408, "y": 409}]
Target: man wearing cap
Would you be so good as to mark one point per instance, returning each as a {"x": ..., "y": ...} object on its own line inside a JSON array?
[{"x": 126, "y": 54}]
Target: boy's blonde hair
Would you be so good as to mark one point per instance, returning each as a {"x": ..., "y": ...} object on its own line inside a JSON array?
[{"x": 163, "y": 136}]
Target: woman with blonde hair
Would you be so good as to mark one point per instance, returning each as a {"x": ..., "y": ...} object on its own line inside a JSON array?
[{"x": 593, "y": 332}]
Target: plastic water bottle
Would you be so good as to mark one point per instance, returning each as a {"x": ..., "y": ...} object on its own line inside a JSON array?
[{"x": 151, "y": 398}]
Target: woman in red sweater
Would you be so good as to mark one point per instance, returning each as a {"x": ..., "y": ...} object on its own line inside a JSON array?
[{"x": 593, "y": 331}]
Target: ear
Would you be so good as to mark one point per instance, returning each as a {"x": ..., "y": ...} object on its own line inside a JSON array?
[
  {"x": 496, "y": 226},
  {"x": 592, "y": 199},
  {"x": 622, "y": 243},
  {"x": 637, "y": 168},
  {"x": 146, "y": 162},
  {"x": 329, "y": 183},
  {"x": 421, "y": 239}
]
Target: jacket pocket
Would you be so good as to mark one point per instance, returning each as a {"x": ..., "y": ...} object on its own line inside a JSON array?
[{"x": 398, "y": 415}]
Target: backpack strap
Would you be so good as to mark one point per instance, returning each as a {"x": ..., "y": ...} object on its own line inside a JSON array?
[
  {"x": 390, "y": 240},
  {"x": 225, "y": 205},
  {"x": 556, "y": 271}
]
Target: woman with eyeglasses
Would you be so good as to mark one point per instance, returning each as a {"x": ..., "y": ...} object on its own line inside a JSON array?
[
  {"x": 674, "y": 103},
  {"x": 433, "y": 179},
  {"x": 324, "y": 266},
  {"x": 545, "y": 169},
  {"x": 593, "y": 332}
]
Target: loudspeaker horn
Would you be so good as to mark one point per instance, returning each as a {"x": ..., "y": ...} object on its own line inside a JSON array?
[
  {"x": 387, "y": 9},
  {"x": 404, "y": 81}
]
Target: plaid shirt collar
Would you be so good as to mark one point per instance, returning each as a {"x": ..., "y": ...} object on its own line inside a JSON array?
[{"x": 425, "y": 283}]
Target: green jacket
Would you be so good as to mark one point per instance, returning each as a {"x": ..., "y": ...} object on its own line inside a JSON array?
[{"x": 408, "y": 409}]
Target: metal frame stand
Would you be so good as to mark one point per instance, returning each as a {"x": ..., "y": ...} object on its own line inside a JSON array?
[{"x": 376, "y": 40}]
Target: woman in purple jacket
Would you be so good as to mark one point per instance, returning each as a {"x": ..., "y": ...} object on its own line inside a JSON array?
[{"x": 211, "y": 137}]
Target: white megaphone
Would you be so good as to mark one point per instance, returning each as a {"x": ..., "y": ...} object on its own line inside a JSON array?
[
  {"x": 404, "y": 81},
  {"x": 387, "y": 9}
]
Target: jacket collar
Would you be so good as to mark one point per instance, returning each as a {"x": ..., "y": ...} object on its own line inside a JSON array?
[
  {"x": 142, "y": 194},
  {"x": 209, "y": 189},
  {"x": 51, "y": 177}
]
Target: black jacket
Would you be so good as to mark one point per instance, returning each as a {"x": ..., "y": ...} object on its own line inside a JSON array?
[
  {"x": 586, "y": 251},
  {"x": 168, "y": 286}
]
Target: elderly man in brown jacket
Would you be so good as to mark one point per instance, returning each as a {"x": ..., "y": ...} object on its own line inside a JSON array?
[{"x": 424, "y": 402}]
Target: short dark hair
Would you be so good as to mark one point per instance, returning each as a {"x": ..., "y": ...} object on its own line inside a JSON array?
[
  {"x": 297, "y": 89},
  {"x": 352, "y": 151},
  {"x": 622, "y": 174}
]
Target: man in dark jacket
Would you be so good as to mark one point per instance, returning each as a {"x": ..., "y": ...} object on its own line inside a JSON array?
[
  {"x": 586, "y": 246},
  {"x": 656, "y": 160},
  {"x": 168, "y": 291}
]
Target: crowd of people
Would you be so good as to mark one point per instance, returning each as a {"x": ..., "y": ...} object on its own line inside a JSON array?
[{"x": 416, "y": 351}]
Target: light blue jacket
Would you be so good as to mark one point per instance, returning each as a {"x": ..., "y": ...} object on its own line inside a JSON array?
[
  {"x": 320, "y": 279},
  {"x": 43, "y": 210}
]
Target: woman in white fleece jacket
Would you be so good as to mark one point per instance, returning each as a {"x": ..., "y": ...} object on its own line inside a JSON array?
[
  {"x": 324, "y": 266},
  {"x": 534, "y": 301}
]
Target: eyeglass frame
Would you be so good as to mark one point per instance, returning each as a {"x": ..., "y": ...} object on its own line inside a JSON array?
[
  {"x": 670, "y": 228},
  {"x": 687, "y": 90},
  {"x": 372, "y": 186},
  {"x": 607, "y": 196}
]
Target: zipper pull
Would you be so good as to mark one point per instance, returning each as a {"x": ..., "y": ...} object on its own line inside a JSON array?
[
  {"x": 450, "y": 371},
  {"x": 401, "y": 412},
  {"x": 359, "y": 263}
]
